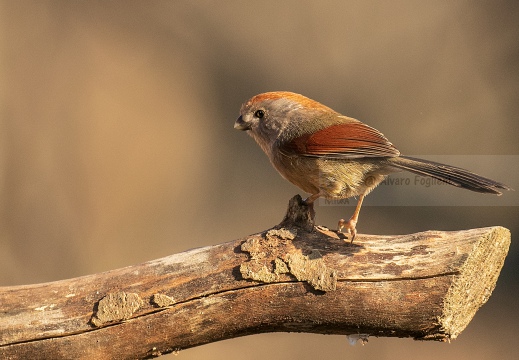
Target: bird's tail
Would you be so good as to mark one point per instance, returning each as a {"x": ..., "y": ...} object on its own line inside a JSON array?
[{"x": 449, "y": 174}]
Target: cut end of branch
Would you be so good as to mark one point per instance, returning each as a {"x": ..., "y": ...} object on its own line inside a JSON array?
[{"x": 473, "y": 287}]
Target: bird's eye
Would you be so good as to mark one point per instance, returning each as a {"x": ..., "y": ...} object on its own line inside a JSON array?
[{"x": 259, "y": 114}]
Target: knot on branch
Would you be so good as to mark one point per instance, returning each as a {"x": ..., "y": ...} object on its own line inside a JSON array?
[{"x": 299, "y": 214}]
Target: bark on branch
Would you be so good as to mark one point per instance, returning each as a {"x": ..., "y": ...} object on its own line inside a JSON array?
[{"x": 427, "y": 286}]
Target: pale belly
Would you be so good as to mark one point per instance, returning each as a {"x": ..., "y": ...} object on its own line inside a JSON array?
[{"x": 333, "y": 179}]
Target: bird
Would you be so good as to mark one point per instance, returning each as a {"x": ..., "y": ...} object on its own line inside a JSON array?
[{"x": 327, "y": 154}]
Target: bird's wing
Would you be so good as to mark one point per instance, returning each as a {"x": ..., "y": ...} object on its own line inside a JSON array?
[{"x": 349, "y": 140}]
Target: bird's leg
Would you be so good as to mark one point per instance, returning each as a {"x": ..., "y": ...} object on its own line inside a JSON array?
[
  {"x": 351, "y": 224},
  {"x": 310, "y": 200}
]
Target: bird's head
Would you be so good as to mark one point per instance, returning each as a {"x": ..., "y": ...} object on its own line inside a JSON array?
[{"x": 281, "y": 116}]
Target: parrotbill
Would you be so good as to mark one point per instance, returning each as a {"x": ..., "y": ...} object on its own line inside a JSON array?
[{"x": 330, "y": 155}]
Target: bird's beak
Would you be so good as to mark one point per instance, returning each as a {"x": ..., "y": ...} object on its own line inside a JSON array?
[{"x": 241, "y": 125}]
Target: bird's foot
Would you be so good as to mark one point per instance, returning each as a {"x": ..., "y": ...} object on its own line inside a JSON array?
[{"x": 350, "y": 227}]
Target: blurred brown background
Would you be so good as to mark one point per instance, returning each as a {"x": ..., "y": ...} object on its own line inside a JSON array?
[{"x": 117, "y": 143}]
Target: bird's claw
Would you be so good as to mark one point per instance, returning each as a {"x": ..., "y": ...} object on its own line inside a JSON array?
[{"x": 350, "y": 227}]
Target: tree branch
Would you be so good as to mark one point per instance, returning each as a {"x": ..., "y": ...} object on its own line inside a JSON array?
[{"x": 427, "y": 286}]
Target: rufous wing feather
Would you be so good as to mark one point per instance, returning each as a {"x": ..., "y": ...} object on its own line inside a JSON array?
[{"x": 347, "y": 140}]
